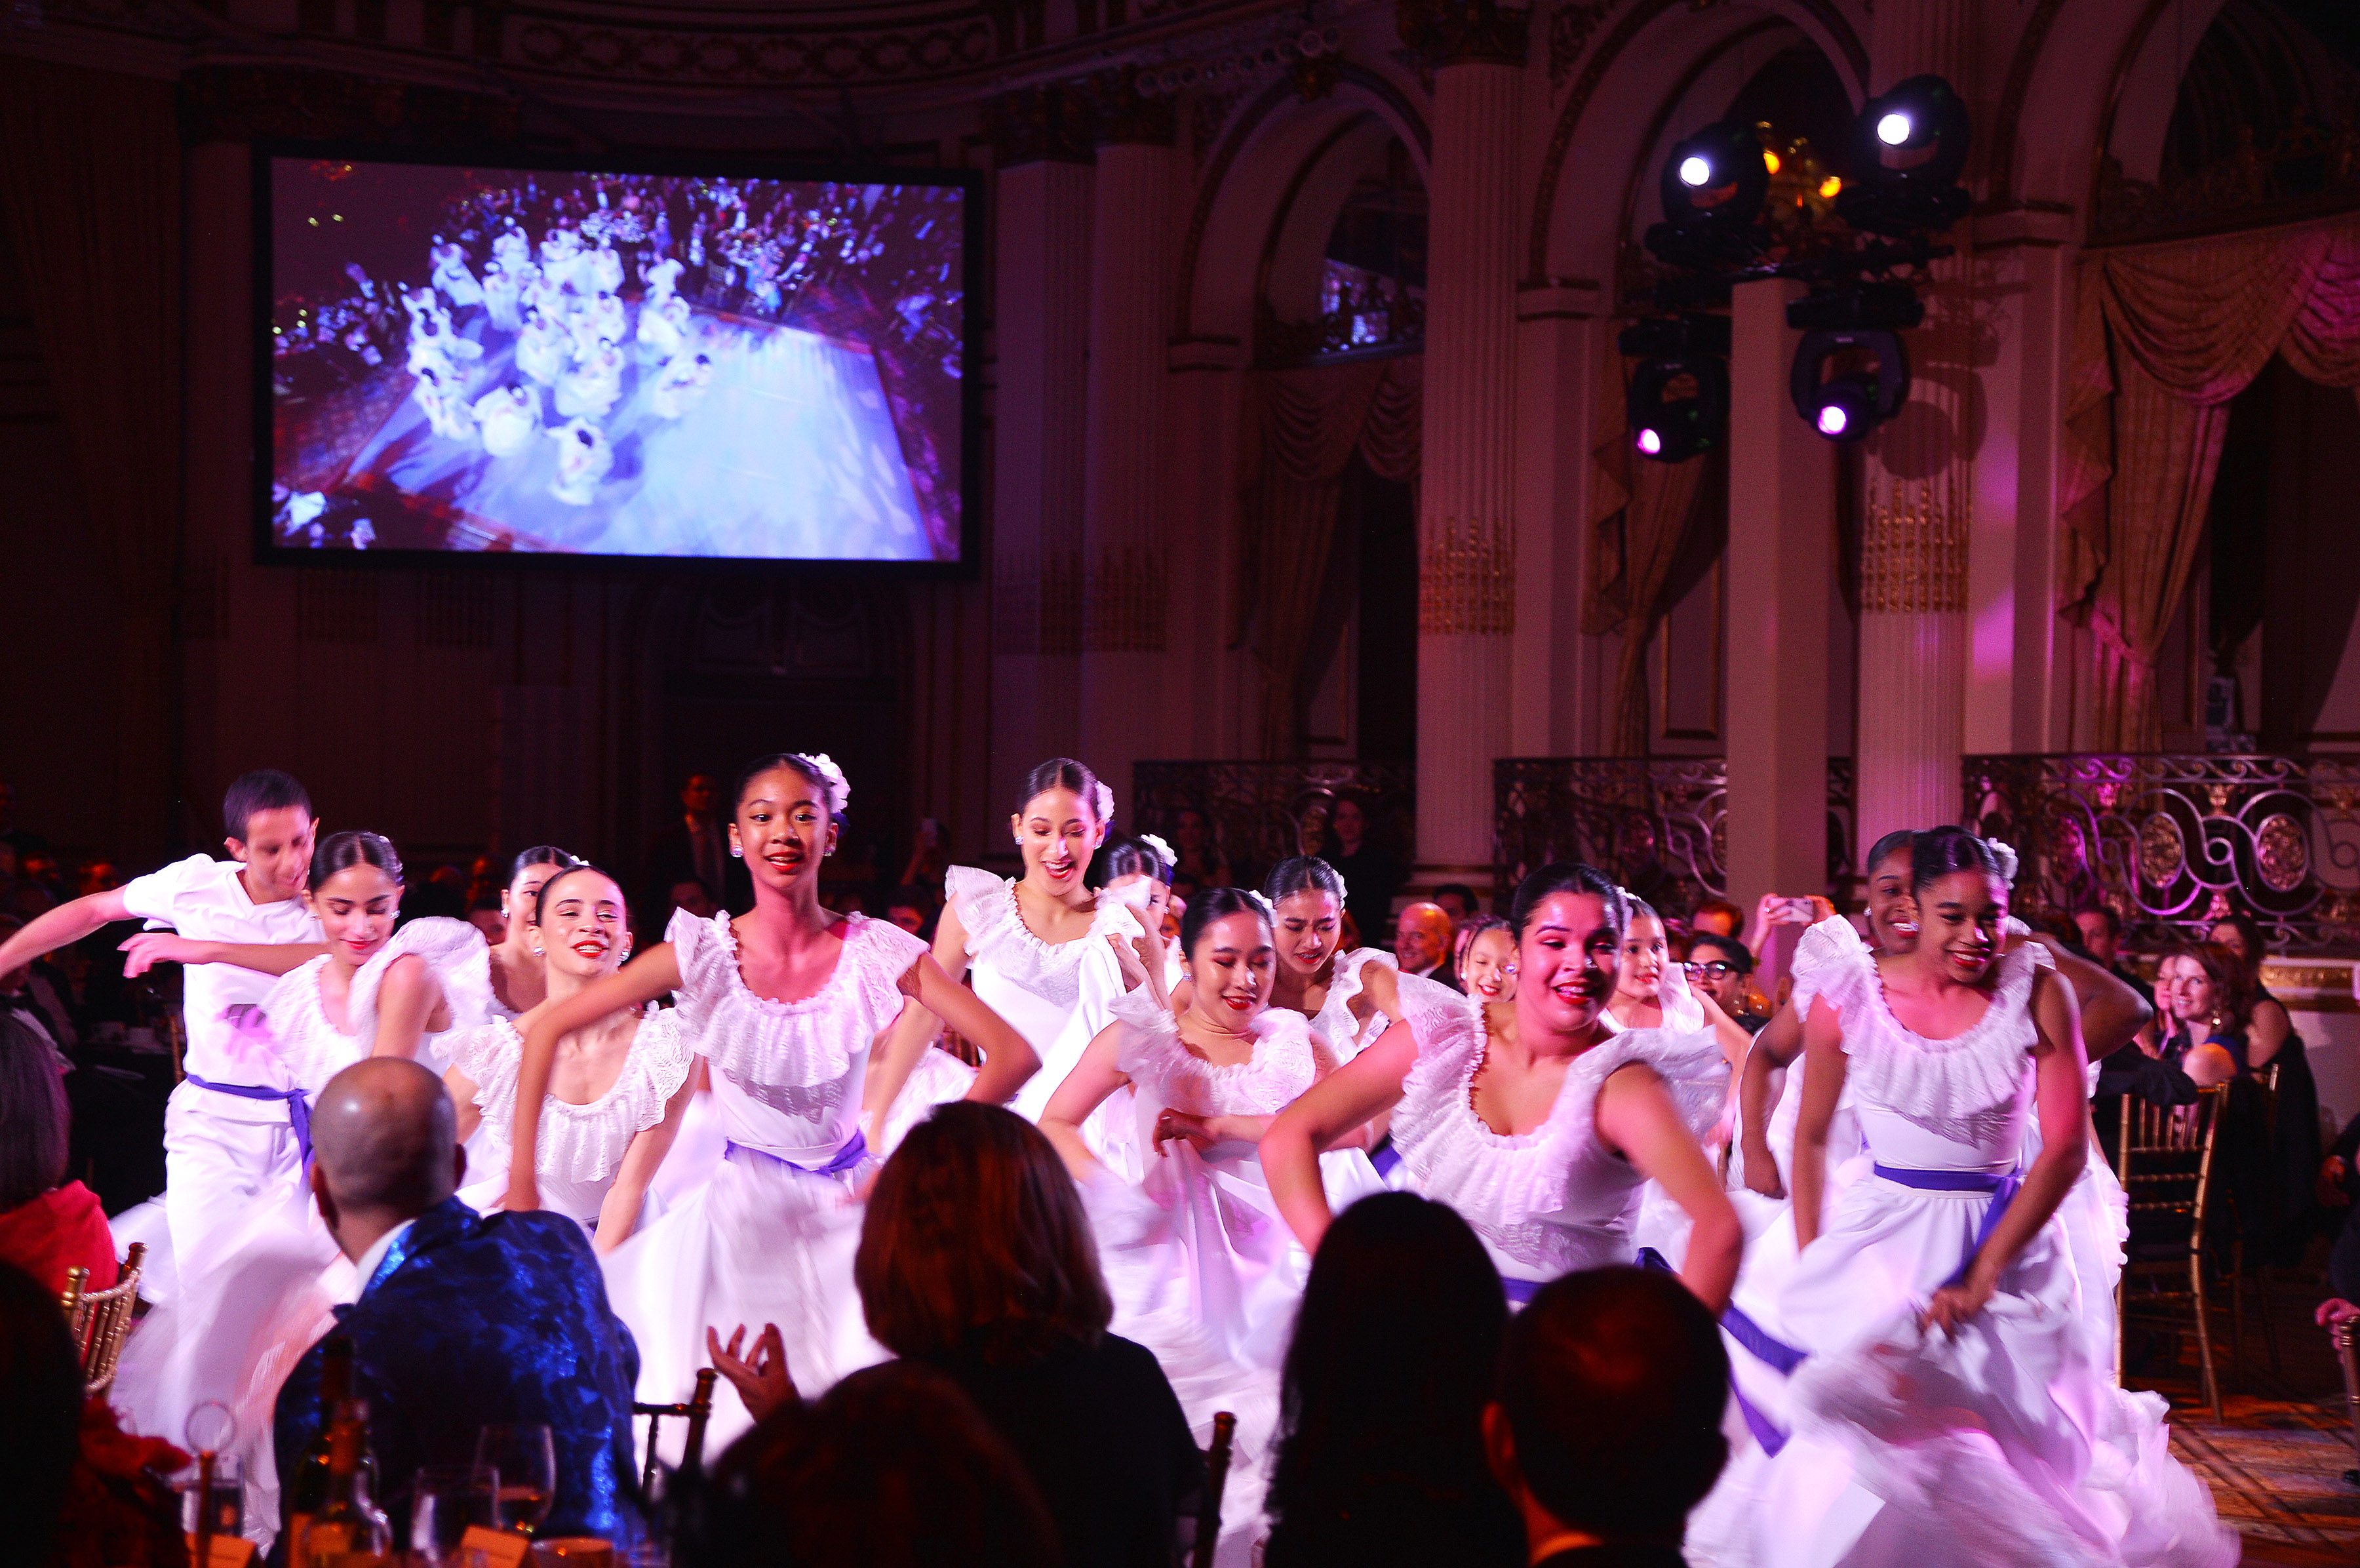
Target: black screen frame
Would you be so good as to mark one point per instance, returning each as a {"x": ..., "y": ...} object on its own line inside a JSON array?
[{"x": 269, "y": 551}]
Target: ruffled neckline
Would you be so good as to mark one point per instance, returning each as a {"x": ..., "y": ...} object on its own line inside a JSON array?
[
  {"x": 586, "y": 1141},
  {"x": 1346, "y": 981},
  {"x": 1281, "y": 1068}
]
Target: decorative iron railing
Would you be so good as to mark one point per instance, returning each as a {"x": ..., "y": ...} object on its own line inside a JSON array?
[
  {"x": 1258, "y": 814},
  {"x": 1657, "y": 824},
  {"x": 2175, "y": 842}
]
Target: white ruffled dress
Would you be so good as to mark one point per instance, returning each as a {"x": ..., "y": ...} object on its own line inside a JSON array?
[
  {"x": 1348, "y": 1174},
  {"x": 1203, "y": 1270},
  {"x": 1554, "y": 1200},
  {"x": 242, "y": 1317},
  {"x": 770, "y": 1238},
  {"x": 580, "y": 1148},
  {"x": 2003, "y": 1445}
]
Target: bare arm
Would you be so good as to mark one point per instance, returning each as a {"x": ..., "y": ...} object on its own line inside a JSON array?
[
  {"x": 1094, "y": 1077},
  {"x": 410, "y": 1005},
  {"x": 2265, "y": 1036},
  {"x": 462, "y": 1090},
  {"x": 619, "y": 1212},
  {"x": 1364, "y": 1088},
  {"x": 2061, "y": 1091},
  {"x": 1780, "y": 1041},
  {"x": 147, "y": 950},
  {"x": 1009, "y": 1058},
  {"x": 2112, "y": 1012},
  {"x": 61, "y": 927},
  {"x": 912, "y": 1029},
  {"x": 1824, "y": 1067},
  {"x": 637, "y": 983},
  {"x": 1637, "y": 1119}
]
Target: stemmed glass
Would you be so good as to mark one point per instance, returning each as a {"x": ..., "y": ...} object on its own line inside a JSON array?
[
  {"x": 447, "y": 1499},
  {"x": 524, "y": 1458}
]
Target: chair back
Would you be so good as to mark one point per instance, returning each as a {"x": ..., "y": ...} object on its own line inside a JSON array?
[
  {"x": 1216, "y": 1480},
  {"x": 697, "y": 1411},
  {"x": 99, "y": 1320},
  {"x": 2165, "y": 1164}
]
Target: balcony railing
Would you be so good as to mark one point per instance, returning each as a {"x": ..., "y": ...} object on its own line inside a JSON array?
[
  {"x": 2175, "y": 842},
  {"x": 1658, "y": 824},
  {"x": 1260, "y": 813}
]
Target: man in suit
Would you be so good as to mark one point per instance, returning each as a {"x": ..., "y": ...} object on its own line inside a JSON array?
[
  {"x": 1607, "y": 1430},
  {"x": 464, "y": 1320},
  {"x": 1421, "y": 943},
  {"x": 694, "y": 847}
]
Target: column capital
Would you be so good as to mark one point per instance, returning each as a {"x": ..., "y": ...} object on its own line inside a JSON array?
[
  {"x": 1122, "y": 116},
  {"x": 1444, "y": 33},
  {"x": 1040, "y": 125}
]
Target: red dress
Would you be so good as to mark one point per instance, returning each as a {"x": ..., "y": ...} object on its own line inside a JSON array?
[{"x": 63, "y": 1228}]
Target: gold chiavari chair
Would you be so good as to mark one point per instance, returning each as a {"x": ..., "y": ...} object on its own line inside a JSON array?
[
  {"x": 2165, "y": 1163},
  {"x": 697, "y": 1411},
  {"x": 2341, "y": 1336},
  {"x": 99, "y": 1320}
]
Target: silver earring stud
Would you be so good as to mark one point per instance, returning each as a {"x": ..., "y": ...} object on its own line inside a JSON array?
[{"x": 736, "y": 853}]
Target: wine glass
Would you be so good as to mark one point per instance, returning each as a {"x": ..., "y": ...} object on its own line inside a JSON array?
[
  {"x": 447, "y": 1499},
  {"x": 526, "y": 1460}
]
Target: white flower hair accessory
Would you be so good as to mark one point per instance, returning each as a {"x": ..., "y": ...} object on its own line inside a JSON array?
[
  {"x": 839, "y": 789},
  {"x": 1103, "y": 801},
  {"x": 1163, "y": 850},
  {"x": 2004, "y": 856},
  {"x": 1268, "y": 908}
]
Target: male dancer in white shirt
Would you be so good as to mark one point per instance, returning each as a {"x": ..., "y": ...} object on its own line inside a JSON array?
[{"x": 224, "y": 1138}]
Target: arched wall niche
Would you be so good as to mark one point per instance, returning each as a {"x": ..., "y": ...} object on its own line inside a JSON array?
[
  {"x": 1288, "y": 276},
  {"x": 1241, "y": 198},
  {"x": 1630, "y": 99}
]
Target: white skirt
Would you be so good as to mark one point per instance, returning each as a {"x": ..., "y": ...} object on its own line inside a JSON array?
[
  {"x": 758, "y": 1244},
  {"x": 2003, "y": 1445}
]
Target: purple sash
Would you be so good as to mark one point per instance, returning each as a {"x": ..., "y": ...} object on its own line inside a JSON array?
[
  {"x": 844, "y": 1159},
  {"x": 299, "y": 1110}
]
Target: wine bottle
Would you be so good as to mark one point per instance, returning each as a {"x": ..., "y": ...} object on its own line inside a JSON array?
[
  {"x": 307, "y": 1488},
  {"x": 349, "y": 1530}
]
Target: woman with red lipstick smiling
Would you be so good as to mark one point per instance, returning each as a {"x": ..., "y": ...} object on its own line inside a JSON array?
[
  {"x": 1943, "y": 1363},
  {"x": 617, "y": 1090},
  {"x": 1029, "y": 939},
  {"x": 1533, "y": 1118},
  {"x": 785, "y": 1003},
  {"x": 1200, "y": 1271}
]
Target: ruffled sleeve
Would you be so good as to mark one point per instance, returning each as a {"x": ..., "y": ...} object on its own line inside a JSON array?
[
  {"x": 1690, "y": 1065},
  {"x": 984, "y": 904},
  {"x": 702, "y": 951},
  {"x": 456, "y": 953},
  {"x": 482, "y": 1055},
  {"x": 1449, "y": 1030},
  {"x": 587, "y": 1143},
  {"x": 1150, "y": 1031},
  {"x": 885, "y": 952},
  {"x": 1827, "y": 960}
]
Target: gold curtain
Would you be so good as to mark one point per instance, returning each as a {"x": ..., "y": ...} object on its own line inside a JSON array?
[
  {"x": 2164, "y": 337},
  {"x": 1301, "y": 428},
  {"x": 1639, "y": 513},
  {"x": 90, "y": 181}
]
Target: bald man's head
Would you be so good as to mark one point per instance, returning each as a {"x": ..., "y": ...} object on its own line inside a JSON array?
[
  {"x": 384, "y": 1139},
  {"x": 1421, "y": 936}
]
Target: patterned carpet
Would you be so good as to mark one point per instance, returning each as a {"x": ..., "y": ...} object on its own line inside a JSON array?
[{"x": 2276, "y": 1460}]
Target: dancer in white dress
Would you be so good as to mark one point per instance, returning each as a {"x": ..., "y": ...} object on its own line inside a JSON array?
[
  {"x": 590, "y": 389},
  {"x": 503, "y": 294},
  {"x": 1349, "y": 998},
  {"x": 1942, "y": 1408},
  {"x": 661, "y": 278},
  {"x": 686, "y": 380},
  {"x": 583, "y": 456},
  {"x": 785, "y": 1005},
  {"x": 618, "y": 1087},
  {"x": 543, "y": 349},
  {"x": 452, "y": 275},
  {"x": 508, "y": 418},
  {"x": 1047, "y": 953},
  {"x": 1202, "y": 1270},
  {"x": 1535, "y": 1119}
]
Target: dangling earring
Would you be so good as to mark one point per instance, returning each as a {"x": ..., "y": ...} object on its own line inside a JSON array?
[{"x": 736, "y": 853}]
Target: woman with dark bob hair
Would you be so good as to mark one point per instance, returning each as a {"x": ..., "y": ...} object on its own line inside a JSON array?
[
  {"x": 1380, "y": 1470},
  {"x": 977, "y": 1258}
]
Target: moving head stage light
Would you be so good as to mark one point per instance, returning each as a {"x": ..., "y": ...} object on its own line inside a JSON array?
[
  {"x": 1677, "y": 402},
  {"x": 1908, "y": 148},
  {"x": 1713, "y": 186}
]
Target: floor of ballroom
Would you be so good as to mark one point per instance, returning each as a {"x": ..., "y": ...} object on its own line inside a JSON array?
[{"x": 2275, "y": 1459}]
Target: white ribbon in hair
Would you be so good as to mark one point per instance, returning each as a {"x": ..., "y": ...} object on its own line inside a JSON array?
[
  {"x": 839, "y": 789},
  {"x": 1163, "y": 850}
]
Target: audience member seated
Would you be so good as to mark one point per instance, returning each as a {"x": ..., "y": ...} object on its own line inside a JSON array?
[
  {"x": 2267, "y": 1025},
  {"x": 913, "y": 909},
  {"x": 1457, "y": 901},
  {"x": 2201, "y": 1009},
  {"x": 1195, "y": 854},
  {"x": 893, "y": 1467},
  {"x": 1717, "y": 917},
  {"x": 2293, "y": 1114},
  {"x": 1392, "y": 1360},
  {"x": 484, "y": 914},
  {"x": 48, "y": 1224},
  {"x": 1720, "y": 966},
  {"x": 1421, "y": 943},
  {"x": 2339, "y": 1194},
  {"x": 77, "y": 1491},
  {"x": 977, "y": 1258},
  {"x": 464, "y": 1320},
  {"x": 2101, "y": 932},
  {"x": 1607, "y": 1428}
]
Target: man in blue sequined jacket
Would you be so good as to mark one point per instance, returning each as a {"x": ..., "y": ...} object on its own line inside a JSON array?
[{"x": 464, "y": 1320}]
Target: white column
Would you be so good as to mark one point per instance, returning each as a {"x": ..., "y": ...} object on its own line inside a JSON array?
[
  {"x": 1466, "y": 528},
  {"x": 1040, "y": 414},
  {"x": 1126, "y": 564},
  {"x": 1782, "y": 550},
  {"x": 1918, "y": 505},
  {"x": 1555, "y": 712}
]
